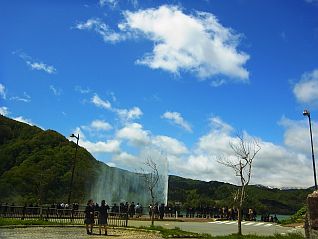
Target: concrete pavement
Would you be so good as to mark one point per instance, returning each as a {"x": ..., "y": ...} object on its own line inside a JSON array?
[{"x": 218, "y": 228}]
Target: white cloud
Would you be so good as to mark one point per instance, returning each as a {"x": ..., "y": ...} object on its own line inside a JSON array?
[
  {"x": 135, "y": 134},
  {"x": 275, "y": 165},
  {"x": 56, "y": 91},
  {"x": 124, "y": 158},
  {"x": 297, "y": 136},
  {"x": 176, "y": 118},
  {"x": 40, "y": 66},
  {"x": 131, "y": 114},
  {"x": 98, "y": 26},
  {"x": 101, "y": 125},
  {"x": 218, "y": 124},
  {"x": 196, "y": 43},
  {"x": 110, "y": 3},
  {"x": 96, "y": 100},
  {"x": 109, "y": 146},
  {"x": 24, "y": 120},
  {"x": 2, "y": 91},
  {"x": 306, "y": 90},
  {"x": 170, "y": 145},
  {"x": 4, "y": 111},
  {"x": 125, "y": 115},
  {"x": 35, "y": 64},
  {"x": 26, "y": 98},
  {"x": 97, "y": 129}
]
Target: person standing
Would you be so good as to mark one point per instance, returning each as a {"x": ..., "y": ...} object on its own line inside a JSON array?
[
  {"x": 89, "y": 217},
  {"x": 103, "y": 216}
]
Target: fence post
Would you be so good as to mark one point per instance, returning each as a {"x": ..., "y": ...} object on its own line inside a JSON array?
[
  {"x": 41, "y": 211},
  {"x": 23, "y": 212}
]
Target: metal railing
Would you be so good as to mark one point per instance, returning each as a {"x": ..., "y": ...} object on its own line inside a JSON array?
[{"x": 63, "y": 216}]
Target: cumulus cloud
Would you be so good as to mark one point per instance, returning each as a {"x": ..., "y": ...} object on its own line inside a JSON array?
[
  {"x": 170, "y": 145},
  {"x": 36, "y": 64},
  {"x": 97, "y": 126},
  {"x": 134, "y": 134},
  {"x": 177, "y": 119},
  {"x": 124, "y": 158},
  {"x": 101, "y": 125},
  {"x": 196, "y": 43},
  {"x": 275, "y": 165},
  {"x": 98, "y": 26},
  {"x": 108, "y": 146},
  {"x": 296, "y": 135},
  {"x": 2, "y": 91},
  {"x": 306, "y": 90}
]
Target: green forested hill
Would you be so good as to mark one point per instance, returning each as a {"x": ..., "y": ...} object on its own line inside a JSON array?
[
  {"x": 263, "y": 199},
  {"x": 35, "y": 166}
]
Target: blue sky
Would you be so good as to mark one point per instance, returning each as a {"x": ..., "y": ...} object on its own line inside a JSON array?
[{"x": 184, "y": 76}]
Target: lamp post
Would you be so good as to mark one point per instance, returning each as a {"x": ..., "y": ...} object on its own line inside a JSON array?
[
  {"x": 73, "y": 168},
  {"x": 307, "y": 113}
]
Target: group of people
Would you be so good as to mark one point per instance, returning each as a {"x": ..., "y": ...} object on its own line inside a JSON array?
[
  {"x": 228, "y": 213},
  {"x": 89, "y": 220},
  {"x": 132, "y": 209}
]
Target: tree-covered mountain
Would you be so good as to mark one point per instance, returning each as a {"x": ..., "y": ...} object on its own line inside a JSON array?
[
  {"x": 265, "y": 200},
  {"x": 35, "y": 166}
]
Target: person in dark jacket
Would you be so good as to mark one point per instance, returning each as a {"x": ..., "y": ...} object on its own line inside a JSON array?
[
  {"x": 89, "y": 217},
  {"x": 102, "y": 217}
]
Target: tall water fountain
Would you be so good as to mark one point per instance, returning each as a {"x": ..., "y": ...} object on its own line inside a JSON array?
[{"x": 116, "y": 185}]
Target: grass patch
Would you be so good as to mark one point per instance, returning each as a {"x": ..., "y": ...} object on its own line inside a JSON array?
[
  {"x": 10, "y": 222},
  {"x": 277, "y": 236},
  {"x": 178, "y": 233},
  {"x": 173, "y": 233}
]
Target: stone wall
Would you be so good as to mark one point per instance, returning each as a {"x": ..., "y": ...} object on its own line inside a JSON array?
[{"x": 312, "y": 216}]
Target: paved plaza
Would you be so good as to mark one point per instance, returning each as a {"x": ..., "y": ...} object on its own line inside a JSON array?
[
  {"x": 219, "y": 228},
  {"x": 71, "y": 233},
  {"x": 214, "y": 228}
]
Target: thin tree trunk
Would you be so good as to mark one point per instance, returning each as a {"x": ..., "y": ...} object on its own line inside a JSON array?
[
  {"x": 152, "y": 209},
  {"x": 152, "y": 215},
  {"x": 239, "y": 221}
]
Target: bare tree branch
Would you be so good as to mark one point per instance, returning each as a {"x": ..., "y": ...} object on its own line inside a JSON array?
[{"x": 245, "y": 151}]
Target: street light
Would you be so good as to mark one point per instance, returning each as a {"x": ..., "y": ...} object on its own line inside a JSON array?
[
  {"x": 307, "y": 113},
  {"x": 73, "y": 168}
]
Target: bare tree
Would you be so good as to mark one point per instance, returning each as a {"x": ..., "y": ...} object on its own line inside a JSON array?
[
  {"x": 151, "y": 176},
  {"x": 245, "y": 151}
]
